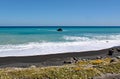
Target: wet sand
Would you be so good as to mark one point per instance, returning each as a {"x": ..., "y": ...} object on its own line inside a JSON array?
[{"x": 53, "y": 59}]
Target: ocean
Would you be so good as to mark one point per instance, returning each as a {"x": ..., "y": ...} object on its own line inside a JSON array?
[{"x": 35, "y": 40}]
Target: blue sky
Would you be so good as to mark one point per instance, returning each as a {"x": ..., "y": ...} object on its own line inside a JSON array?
[{"x": 59, "y": 12}]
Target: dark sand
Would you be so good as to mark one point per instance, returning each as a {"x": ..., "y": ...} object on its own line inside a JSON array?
[{"x": 53, "y": 59}]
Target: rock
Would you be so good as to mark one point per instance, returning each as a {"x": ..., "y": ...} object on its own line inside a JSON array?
[
  {"x": 83, "y": 59},
  {"x": 113, "y": 60},
  {"x": 79, "y": 58},
  {"x": 118, "y": 49},
  {"x": 67, "y": 62},
  {"x": 118, "y": 57},
  {"x": 33, "y": 66},
  {"x": 110, "y": 52},
  {"x": 75, "y": 59},
  {"x": 60, "y": 29},
  {"x": 108, "y": 76},
  {"x": 71, "y": 60},
  {"x": 98, "y": 57},
  {"x": 90, "y": 78}
]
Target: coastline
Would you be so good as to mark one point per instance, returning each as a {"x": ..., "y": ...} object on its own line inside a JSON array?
[{"x": 53, "y": 59}]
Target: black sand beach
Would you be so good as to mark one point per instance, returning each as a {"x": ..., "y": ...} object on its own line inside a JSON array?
[{"x": 54, "y": 59}]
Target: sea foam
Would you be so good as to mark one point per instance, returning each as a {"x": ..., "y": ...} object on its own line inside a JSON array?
[{"x": 44, "y": 48}]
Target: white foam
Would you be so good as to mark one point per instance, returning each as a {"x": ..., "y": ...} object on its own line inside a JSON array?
[
  {"x": 76, "y": 38},
  {"x": 90, "y": 37},
  {"x": 53, "y": 48}
]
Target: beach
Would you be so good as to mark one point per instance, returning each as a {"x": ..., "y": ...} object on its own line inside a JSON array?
[
  {"x": 71, "y": 60},
  {"x": 54, "y": 59}
]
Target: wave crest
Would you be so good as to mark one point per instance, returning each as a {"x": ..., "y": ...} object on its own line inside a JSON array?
[
  {"x": 92, "y": 37},
  {"x": 35, "y": 48},
  {"x": 72, "y": 38}
]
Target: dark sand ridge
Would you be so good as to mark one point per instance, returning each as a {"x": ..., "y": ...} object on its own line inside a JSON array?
[{"x": 52, "y": 59}]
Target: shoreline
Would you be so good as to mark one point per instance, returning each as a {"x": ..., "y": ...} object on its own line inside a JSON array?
[{"x": 53, "y": 59}]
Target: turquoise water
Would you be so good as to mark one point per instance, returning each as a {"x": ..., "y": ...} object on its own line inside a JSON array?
[
  {"x": 49, "y": 34},
  {"x": 24, "y": 41}
]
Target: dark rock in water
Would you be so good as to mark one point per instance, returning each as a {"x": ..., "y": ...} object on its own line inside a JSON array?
[
  {"x": 110, "y": 52},
  {"x": 60, "y": 29}
]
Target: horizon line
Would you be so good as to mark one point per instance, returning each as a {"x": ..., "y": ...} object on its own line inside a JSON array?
[
  {"x": 57, "y": 25},
  {"x": 53, "y": 26}
]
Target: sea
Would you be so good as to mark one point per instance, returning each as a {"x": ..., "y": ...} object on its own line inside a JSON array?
[{"x": 42, "y": 40}]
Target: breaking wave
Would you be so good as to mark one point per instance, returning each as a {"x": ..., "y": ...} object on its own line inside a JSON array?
[{"x": 35, "y": 48}]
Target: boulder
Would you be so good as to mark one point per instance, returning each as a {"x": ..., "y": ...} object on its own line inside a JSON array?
[
  {"x": 32, "y": 66},
  {"x": 67, "y": 62},
  {"x": 98, "y": 57},
  {"x": 118, "y": 57},
  {"x": 75, "y": 59},
  {"x": 118, "y": 49},
  {"x": 60, "y": 29},
  {"x": 113, "y": 60},
  {"x": 110, "y": 52},
  {"x": 71, "y": 60}
]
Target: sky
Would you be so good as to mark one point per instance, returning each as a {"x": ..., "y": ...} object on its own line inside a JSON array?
[{"x": 60, "y": 12}]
